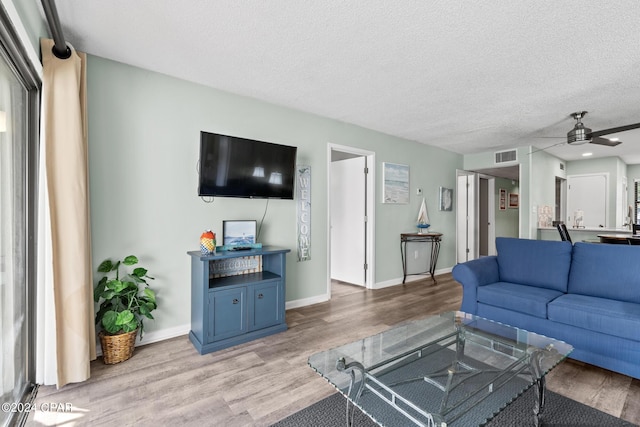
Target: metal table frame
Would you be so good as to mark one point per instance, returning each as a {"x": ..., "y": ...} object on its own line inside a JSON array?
[
  {"x": 433, "y": 238},
  {"x": 527, "y": 361}
]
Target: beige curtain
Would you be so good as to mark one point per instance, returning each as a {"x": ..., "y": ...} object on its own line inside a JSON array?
[{"x": 65, "y": 288}]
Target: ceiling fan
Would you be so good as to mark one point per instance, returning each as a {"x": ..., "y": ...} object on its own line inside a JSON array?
[{"x": 580, "y": 134}]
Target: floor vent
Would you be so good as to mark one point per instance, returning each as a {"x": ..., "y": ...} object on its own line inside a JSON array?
[{"x": 506, "y": 156}]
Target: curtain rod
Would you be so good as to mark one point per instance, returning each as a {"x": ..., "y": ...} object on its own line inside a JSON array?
[{"x": 60, "y": 48}]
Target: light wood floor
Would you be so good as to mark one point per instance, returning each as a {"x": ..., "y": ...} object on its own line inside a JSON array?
[{"x": 261, "y": 382}]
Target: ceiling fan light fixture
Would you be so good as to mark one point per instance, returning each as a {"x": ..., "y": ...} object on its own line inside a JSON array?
[{"x": 579, "y": 134}]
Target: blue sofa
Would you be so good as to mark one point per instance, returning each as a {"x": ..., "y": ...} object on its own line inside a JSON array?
[{"x": 586, "y": 294}]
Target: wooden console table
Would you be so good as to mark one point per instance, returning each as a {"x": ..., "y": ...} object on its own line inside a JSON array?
[{"x": 433, "y": 238}]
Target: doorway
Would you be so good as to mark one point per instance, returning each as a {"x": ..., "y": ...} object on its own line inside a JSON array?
[
  {"x": 486, "y": 238},
  {"x": 475, "y": 216},
  {"x": 560, "y": 199},
  {"x": 350, "y": 198}
]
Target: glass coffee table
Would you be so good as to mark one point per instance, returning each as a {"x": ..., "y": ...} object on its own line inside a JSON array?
[{"x": 452, "y": 369}]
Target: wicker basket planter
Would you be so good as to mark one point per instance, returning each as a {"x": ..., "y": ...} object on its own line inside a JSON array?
[{"x": 117, "y": 348}]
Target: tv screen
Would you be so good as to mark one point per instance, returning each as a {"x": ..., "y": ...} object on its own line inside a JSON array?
[{"x": 239, "y": 167}]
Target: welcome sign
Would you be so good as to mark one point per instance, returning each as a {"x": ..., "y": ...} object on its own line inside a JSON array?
[
  {"x": 235, "y": 266},
  {"x": 303, "y": 193}
]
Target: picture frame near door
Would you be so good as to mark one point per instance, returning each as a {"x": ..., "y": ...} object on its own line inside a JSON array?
[
  {"x": 503, "y": 199},
  {"x": 514, "y": 201},
  {"x": 395, "y": 183}
]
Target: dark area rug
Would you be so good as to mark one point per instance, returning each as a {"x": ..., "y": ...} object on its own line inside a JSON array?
[{"x": 558, "y": 411}]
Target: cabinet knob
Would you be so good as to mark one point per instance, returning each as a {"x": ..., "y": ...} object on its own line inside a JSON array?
[
  {"x": 260, "y": 296},
  {"x": 235, "y": 300}
]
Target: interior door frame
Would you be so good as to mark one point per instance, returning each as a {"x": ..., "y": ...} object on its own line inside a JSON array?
[
  {"x": 491, "y": 213},
  {"x": 467, "y": 214},
  {"x": 370, "y": 205}
]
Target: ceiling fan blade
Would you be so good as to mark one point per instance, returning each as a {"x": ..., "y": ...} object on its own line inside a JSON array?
[
  {"x": 546, "y": 148},
  {"x": 615, "y": 130},
  {"x": 604, "y": 141}
]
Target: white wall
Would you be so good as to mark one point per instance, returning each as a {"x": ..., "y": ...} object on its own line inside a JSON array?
[{"x": 615, "y": 169}]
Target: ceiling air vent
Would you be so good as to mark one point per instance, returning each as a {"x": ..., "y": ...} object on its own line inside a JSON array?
[{"x": 506, "y": 156}]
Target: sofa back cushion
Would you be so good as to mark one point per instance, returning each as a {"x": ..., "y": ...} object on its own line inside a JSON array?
[
  {"x": 606, "y": 271},
  {"x": 542, "y": 263}
]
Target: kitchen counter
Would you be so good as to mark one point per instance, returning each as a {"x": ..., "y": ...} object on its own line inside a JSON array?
[{"x": 580, "y": 234}]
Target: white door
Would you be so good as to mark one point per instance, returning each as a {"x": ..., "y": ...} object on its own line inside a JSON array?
[
  {"x": 467, "y": 218},
  {"x": 348, "y": 211},
  {"x": 588, "y": 194}
]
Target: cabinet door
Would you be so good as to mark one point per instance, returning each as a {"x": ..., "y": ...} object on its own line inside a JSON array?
[
  {"x": 227, "y": 313},
  {"x": 266, "y": 308}
]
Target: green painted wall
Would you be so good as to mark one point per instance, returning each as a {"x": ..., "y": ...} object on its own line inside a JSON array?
[
  {"x": 506, "y": 220},
  {"x": 544, "y": 170},
  {"x": 32, "y": 20},
  {"x": 527, "y": 223},
  {"x": 143, "y": 149},
  {"x": 143, "y": 152}
]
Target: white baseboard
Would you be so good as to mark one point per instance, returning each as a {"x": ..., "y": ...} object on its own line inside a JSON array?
[
  {"x": 306, "y": 301},
  {"x": 154, "y": 336},
  {"x": 176, "y": 331},
  {"x": 163, "y": 334},
  {"x": 412, "y": 278}
]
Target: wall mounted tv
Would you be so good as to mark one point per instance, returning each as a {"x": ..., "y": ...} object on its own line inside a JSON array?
[{"x": 239, "y": 167}]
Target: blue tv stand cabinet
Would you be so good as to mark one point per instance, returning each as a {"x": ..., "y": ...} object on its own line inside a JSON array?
[{"x": 226, "y": 311}]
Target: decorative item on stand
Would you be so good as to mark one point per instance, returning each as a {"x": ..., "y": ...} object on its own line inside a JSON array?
[
  {"x": 208, "y": 243},
  {"x": 423, "y": 218},
  {"x": 123, "y": 305},
  {"x": 578, "y": 219}
]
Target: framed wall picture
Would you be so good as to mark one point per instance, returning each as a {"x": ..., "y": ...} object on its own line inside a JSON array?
[
  {"x": 446, "y": 199},
  {"x": 503, "y": 199},
  {"x": 514, "y": 201},
  {"x": 239, "y": 233},
  {"x": 395, "y": 183}
]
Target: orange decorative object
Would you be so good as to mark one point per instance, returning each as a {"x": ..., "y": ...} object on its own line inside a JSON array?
[{"x": 208, "y": 242}]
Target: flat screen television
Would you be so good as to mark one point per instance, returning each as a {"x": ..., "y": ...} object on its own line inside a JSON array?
[{"x": 239, "y": 167}]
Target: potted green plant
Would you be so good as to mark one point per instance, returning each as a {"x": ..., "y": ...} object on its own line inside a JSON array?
[{"x": 125, "y": 300}]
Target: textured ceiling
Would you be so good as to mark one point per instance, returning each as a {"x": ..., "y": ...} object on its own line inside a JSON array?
[{"x": 465, "y": 76}]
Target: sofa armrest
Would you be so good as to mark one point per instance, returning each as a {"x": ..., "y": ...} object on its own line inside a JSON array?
[{"x": 474, "y": 273}]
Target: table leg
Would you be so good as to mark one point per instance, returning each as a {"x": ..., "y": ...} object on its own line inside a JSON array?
[
  {"x": 538, "y": 406},
  {"x": 341, "y": 365},
  {"x": 403, "y": 255},
  {"x": 435, "y": 250}
]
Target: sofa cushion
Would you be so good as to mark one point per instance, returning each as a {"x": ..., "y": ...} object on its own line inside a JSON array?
[
  {"x": 618, "y": 318},
  {"x": 531, "y": 300},
  {"x": 606, "y": 271},
  {"x": 542, "y": 263}
]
